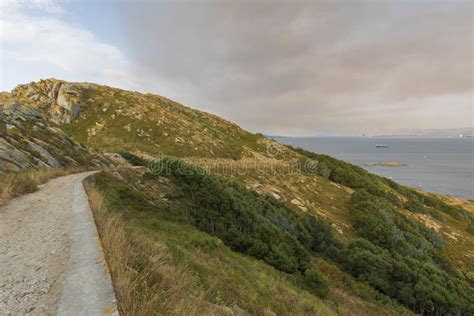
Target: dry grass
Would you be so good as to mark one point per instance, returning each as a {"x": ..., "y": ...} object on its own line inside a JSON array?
[
  {"x": 145, "y": 280},
  {"x": 19, "y": 183}
]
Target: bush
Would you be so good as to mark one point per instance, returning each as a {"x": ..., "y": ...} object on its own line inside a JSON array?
[
  {"x": 373, "y": 218},
  {"x": 436, "y": 214},
  {"x": 313, "y": 282},
  {"x": 133, "y": 159},
  {"x": 415, "y": 205}
]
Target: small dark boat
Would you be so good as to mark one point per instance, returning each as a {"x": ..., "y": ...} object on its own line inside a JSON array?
[{"x": 382, "y": 146}]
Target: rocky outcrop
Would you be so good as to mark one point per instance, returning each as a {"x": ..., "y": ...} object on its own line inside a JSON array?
[
  {"x": 68, "y": 108},
  {"x": 58, "y": 100},
  {"x": 26, "y": 141}
]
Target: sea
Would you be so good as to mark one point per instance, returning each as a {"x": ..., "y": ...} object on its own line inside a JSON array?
[{"x": 440, "y": 165}]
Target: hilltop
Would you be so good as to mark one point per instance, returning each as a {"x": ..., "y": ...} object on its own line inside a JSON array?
[
  {"x": 245, "y": 224},
  {"x": 109, "y": 119}
]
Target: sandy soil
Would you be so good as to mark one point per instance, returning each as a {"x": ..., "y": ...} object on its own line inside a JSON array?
[{"x": 34, "y": 248}]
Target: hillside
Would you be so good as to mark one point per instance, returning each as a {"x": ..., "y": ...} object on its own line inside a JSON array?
[
  {"x": 244, "y": 224},
  {"x": 109, "y": 119}
]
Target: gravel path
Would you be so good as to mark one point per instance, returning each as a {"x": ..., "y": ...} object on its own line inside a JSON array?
[{"x": 35, "y": 247}]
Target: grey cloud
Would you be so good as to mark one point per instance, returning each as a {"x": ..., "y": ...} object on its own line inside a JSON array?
[{"x": 308, "y": 67}]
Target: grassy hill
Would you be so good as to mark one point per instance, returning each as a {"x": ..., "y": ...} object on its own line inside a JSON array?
[
  {"x": 116, "y": 120},
  {"x": 253, "y": 226}
]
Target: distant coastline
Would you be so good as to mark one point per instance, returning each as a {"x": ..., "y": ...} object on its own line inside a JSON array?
[
  {"x": 462, "y": 132},
  {"x": 420, "y": 136},
  {"x": 441, "y": 165},
  {"x": 386, "y": 164}
]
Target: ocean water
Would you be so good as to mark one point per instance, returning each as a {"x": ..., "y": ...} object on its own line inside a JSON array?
[{"x": 441, "y": 165}]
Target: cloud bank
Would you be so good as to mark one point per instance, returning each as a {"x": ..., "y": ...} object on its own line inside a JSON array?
[
  {"x": 309, "y": 67},
  {"x": 281, "y": 67}
]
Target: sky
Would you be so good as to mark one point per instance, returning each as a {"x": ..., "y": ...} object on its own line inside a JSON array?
[{"x": 277, "y": 67}]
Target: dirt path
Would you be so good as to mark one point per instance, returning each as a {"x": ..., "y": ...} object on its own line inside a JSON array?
[{"x": 39, "y": 235}]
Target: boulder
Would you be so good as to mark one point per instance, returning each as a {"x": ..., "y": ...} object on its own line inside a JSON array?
[
  {"x": 68, "y": 108},
  {"x": 64, "y": 114}
]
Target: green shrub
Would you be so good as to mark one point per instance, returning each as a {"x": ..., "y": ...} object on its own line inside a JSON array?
[
  {"x": 436, "y": 214},
  {"x": 315, "y": 283},
  {"x": 414, "y": 205},
  {"x": 374, "y": 219},
  {"x": 133, "y": 159}
]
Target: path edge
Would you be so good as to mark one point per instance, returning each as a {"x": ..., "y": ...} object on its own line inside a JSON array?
[{"x": 87, "y": 286}]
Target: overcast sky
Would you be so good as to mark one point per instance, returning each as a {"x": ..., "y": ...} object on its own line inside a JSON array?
[{"x": 288, "y": 68}]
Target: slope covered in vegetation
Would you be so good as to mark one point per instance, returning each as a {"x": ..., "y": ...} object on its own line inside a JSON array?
[
  {"x": 395, "y": 254},
  {"x": 398, "y": 256},
  {"x": 163, "y": 261}
]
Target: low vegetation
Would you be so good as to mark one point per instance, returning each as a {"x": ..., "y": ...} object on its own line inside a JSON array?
[
  {"x": 160, "y": 264},
  {"x": 151, "y": 217},
  {"x": 248, "y": 222}
]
